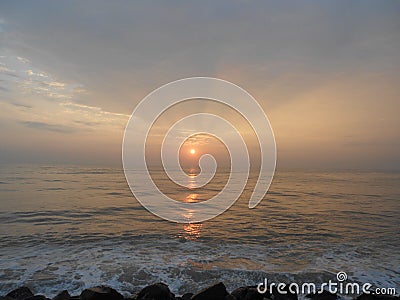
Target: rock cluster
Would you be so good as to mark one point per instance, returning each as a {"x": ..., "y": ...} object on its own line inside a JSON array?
[{"x": 160, "y": 291}]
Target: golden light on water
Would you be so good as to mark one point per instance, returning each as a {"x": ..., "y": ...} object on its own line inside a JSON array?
[
  {"x": 192, "y": 231},
  {"x": 191, "y": 198}
]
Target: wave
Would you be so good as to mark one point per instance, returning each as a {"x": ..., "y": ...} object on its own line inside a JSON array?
[{"x": 128, "y": 263}]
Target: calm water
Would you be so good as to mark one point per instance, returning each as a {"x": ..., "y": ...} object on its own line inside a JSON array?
[{"x": 68, "y": 227}]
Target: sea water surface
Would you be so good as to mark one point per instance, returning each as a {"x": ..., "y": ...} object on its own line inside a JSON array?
[{"x": 71, "y": 227}]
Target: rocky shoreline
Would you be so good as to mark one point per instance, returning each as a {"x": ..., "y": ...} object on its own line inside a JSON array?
[{"x": 160, "y": 291}]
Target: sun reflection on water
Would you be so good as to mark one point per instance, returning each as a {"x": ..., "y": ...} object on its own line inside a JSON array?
[
  {"x": 192, "y": 180},
  {"x": 191, "y": 198},
  {"x": 191, "y": 231}
]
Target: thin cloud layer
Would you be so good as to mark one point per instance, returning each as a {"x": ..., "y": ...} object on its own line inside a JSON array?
[{"x": 326, "y": 73}]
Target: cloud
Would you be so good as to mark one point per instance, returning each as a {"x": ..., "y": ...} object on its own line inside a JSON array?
[
  {"x": 87, "y": 69},
  {"x": 19, "y": 73},
  {"x": 97, "y": 111},
  {"x": 53, "y": 104},
  {"x": 48, "y": 127}
]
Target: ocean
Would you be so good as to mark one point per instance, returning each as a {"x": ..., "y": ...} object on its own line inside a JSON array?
[{"x": 71, "y": 227}]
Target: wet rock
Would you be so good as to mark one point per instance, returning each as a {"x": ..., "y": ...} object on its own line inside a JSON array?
[
  {"x": 157, "y": 291},
  {"x": 377, "y": 297},
  {"x": 325, "y": 295},
  {"x": 287, "y": 295},
  {"x": 101, "y": 293},
  {"x": 20, "y": 293},
  {"x": 215, "y": 292},
  {"x": 248, "y": 293},
  {"x": 64, "y": 295},
  {"x": 37, "y": 297},
  {"x": 187, "y": 296},
  {"x": 132, "y": 297}
]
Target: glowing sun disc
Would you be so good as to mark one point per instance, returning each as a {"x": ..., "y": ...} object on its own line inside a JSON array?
[{"x": 192, "y": 151}]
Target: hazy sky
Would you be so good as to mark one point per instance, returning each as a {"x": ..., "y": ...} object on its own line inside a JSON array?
[{"x": 327, "y": 73}]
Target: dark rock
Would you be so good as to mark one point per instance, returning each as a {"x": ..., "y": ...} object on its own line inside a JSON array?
[
  {"x": 325, "y": 295},
  {"x": 229, "y": 297},
  {"x": 376, "y": 297},
  {"x": 6, "y": 298},
  {"x": 157, "y": 291},
  {"x": 288, "y": 295},
  {"x": 248, "y": 293},
  {"x": 20, "y": 293},
  {"x": 37, "y": 297},
  {"x": 187, "y": 296},
  {"x": 132, "y": 297},
  {"x": 64, "y": 295},
  {"x": 215, "y": 292},
  {"x": 101, "y": 293}
]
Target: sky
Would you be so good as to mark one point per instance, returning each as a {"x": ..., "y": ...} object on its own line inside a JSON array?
[{"x": 326, "y": 74}]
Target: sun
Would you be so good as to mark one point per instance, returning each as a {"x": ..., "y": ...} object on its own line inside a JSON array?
[{"x": 192, "y": 151}]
